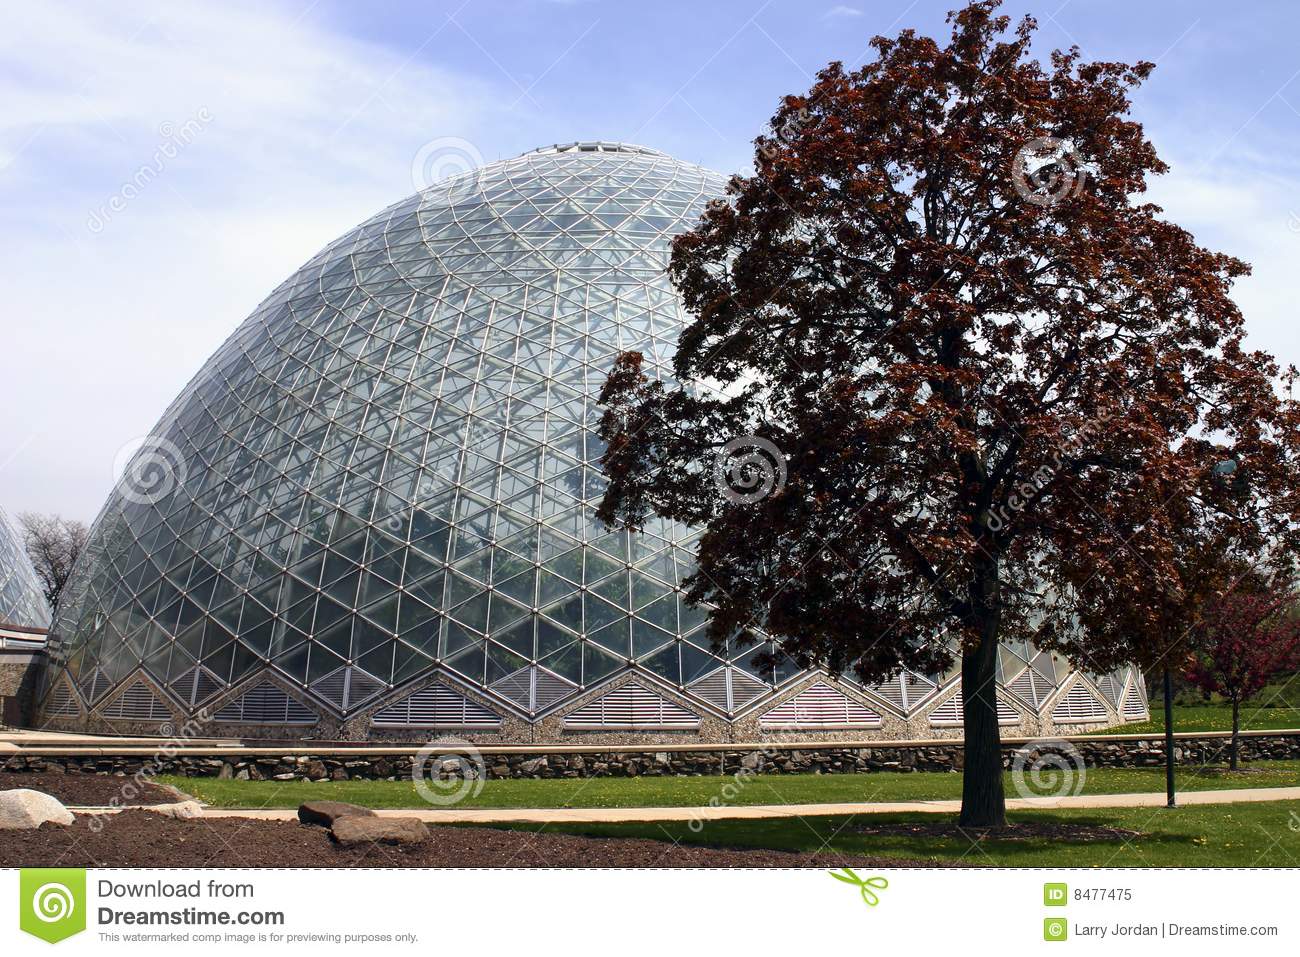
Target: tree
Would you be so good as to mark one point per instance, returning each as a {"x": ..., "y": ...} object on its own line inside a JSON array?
[
  {"x": 943, "y": 364},
  {"x": 1245, "y": 642},
  {"x": 53, "y": 544}
]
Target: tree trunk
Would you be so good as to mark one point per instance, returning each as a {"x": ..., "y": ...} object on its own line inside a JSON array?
[
  {"x": 983, "y": 803},
  {"x": 1236, "y": 733}
]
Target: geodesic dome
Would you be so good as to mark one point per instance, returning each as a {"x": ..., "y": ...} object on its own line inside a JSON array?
[
  {"x": 373, "y": 508},
  {"x": 22, "y": 601}
]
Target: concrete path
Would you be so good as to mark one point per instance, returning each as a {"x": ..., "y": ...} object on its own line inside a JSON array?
[{"x": 457, "y": 815}]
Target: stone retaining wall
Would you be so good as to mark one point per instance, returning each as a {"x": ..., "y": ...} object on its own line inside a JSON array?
[{"x": 769, "y": 759}]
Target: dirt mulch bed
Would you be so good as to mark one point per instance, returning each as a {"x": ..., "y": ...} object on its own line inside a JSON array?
[
  {"x": 144, "y": 839},
  {"x": 88, "y": 790},
  {"x": 1023, "y": 831}
]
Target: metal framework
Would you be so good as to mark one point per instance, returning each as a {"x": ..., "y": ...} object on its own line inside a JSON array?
[{"x": 389, "y": 472}]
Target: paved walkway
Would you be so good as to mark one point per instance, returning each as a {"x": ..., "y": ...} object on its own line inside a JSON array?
[{"x": 458, "y": 815}]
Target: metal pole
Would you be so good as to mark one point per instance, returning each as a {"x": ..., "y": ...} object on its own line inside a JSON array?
[{"x": 1169, "y": 740}]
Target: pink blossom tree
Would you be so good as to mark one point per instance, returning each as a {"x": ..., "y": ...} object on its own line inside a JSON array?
[{"x": 1245, "y": 641}]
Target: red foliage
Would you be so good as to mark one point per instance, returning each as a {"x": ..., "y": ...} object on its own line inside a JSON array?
[
  {"x": 1244, "y": 642},
  {"x": 994, "y": 382}
]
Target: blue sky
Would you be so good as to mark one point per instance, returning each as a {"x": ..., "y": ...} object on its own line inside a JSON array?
[{"x": 271, "y": 128}]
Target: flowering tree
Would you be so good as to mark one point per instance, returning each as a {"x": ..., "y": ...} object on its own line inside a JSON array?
[
  {"x": 1245, "y": 641},
  {"x": 945, "y": 368}
]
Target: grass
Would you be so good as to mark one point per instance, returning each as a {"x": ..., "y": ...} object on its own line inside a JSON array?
[
  {"x": 699, "y": 791},
  {"x": 1210, "y": 717},
  {"x": 1240, "y": 835}
]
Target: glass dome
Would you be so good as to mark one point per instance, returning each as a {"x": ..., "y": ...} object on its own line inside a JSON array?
[
  {"x": 22, "y": 601},
  {"x": 389, "y": 472}
]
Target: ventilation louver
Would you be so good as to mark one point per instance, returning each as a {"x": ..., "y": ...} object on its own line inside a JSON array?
[
  {"x": 436, "y": 706},
  {"x": 1078, "y": 704},
  {"x": 137, "y": 703},
  {"x": 629, "y": 708},
  {"x": 820, "y": 706},
  {"x": 1135, "y": 706},
  {"x": 265, "y": 704},
  {"x": 949, "y": 714},
  {"x": 61, "y": 702}
]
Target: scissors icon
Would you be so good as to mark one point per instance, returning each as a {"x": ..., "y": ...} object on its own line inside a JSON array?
[{"x": 865, "y": 885}]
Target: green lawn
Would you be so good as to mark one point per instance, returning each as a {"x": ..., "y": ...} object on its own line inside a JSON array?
[
  {"x": 1210, "y": 717},
  {"x": 700, "y": 791},
  {"x": 1239, "y": 835}
]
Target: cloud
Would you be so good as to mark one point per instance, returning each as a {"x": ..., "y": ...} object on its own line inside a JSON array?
[
  {"x": 840, "y": 12},
  {"x": 307, "y": 133}
]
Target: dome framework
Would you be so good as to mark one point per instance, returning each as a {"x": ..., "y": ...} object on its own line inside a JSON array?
[
  {"x": 22, "y": 600},
  {"x": 372, "y": 511}
]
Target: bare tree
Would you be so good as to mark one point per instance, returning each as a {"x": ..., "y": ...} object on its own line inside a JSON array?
[{"x": 53, "y": 544}]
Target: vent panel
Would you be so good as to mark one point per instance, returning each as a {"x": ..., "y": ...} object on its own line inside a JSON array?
[
  {"x": 137, "y": 703},
  {"x": 949, "y": 714},
  {"x": 436, "y": 706},
  {"x": 265, "y": 704},
  {"x": 1079, "y": 704},
  {"x": 820, "y": 706},
  {"x": 629, "y": 708}
]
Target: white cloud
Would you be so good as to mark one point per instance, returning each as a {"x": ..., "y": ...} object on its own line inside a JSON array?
[
  {"x": 840, "y": 12},
  {"x": 309, "y": 134}
]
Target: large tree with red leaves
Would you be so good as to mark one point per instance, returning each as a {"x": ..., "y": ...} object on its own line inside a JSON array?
[
  {"x": 1244, "y": 642},
  {"x": 946, "y": 374}
]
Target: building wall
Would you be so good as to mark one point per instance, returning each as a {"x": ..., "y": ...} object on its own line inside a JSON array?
[{"x": 169, "y": 719}]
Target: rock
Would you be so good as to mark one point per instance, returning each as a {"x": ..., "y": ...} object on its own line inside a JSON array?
[
  {"x": 357, "y": 829},
  {"x": 242, "y": 774},
  {"x": 181, "y": 809},
  {"x": 24, "y": 809},
  {"x": 325, "y": 813},
  {"x": 226, "y": 772},
  {"x": 533, "y": 766},
  {"x": 315, "y": 770}
]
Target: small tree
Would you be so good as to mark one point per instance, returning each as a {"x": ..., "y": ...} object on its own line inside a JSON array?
[
  {"x": 953, "y": 371},
  {"x": 53, "y": 544},
  {"x": 1245, "y": 641}
]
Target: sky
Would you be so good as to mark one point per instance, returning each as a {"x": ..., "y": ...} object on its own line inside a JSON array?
[{"x": 271, "y": 128}]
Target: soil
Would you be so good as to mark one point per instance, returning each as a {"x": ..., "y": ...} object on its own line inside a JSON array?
[
  {"x": 90, "y": 790},
  {"x": 143, "y": 839},
  {"x": 1011, "y": 832}
]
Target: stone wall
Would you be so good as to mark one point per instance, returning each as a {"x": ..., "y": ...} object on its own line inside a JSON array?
[
  {"x": 20, "y": 671},
  {"x": 340, "y": 765}
]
